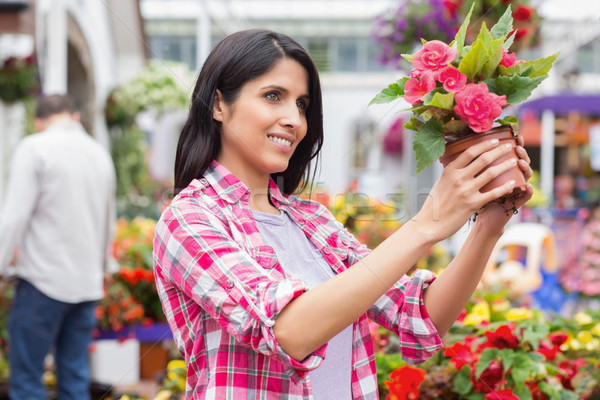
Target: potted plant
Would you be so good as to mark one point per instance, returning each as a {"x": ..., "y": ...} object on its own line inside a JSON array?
[{"x": 458, "y": 91}]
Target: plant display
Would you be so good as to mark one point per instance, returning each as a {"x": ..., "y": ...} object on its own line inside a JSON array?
[
  {"x": 399, "y": 30},
  {"x": 457, "y": 89},
  {"x": 131, "y": 298},
  {"x": 18, "y": 79}
]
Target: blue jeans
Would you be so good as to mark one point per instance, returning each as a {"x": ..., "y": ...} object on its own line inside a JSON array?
[{"x": 38, "y": 324}]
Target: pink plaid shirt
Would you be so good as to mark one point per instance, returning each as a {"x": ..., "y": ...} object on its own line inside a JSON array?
[{"x": 222, "y": 288}]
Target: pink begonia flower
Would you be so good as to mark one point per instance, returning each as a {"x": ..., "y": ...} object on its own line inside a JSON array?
[
  {"x": 415, "y": 73},
  {"x": 508, "y": 59},
  {"x": 416, "y": 88},
  {"x": 478, "y": 107},
  {"x": 434, "y": 56},
  {"x": 452, "y": 79}
]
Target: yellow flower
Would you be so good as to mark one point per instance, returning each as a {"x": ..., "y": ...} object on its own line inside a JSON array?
[
  {"x": 596, "y": 329},
  {"x": 584, "y": 337},
  {"x": 518, "y": 313},
  {"x": 479, "y": 313},
  {"x": 163, "y": 395},
  {"x": 582, "y": 318},
  {"x": 500, "y": 305}
]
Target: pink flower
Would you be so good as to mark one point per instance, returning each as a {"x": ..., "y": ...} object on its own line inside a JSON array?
[
  {"x": 416, "y": 88},
  {"x": 508, "y": 59},
  {"x": 452, "y": 79},
  {"x": 478, "y": 107},
  {"x": 434, "y": 56}
]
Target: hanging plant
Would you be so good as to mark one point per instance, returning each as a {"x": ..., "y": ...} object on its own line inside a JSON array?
[{"x": 18, "y": 79}]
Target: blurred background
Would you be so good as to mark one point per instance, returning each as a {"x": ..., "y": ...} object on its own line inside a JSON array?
[{"x": 131, "y": 67}]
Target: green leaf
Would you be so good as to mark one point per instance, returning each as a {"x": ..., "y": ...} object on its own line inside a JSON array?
[
  {"x": 484, "y": 35},
  {"x": 522, "y": 391},
  {"x": 445, "y": 101},
  {"x": 506, "y": 356},
  {"x": 549, "y": 390},
  {"x": 504, "y": 25},
  {"x": 521, "y": 369},
  {"x": 568, "y": 395},
  {"x": 533, "y": 334},
  {"x": 531, "y": 68},
  {"x": 390, "y": 93},
  {"x": 516, "y": 88},
  {"x": 462, "y": 381},
  {"x": 475, "y": 396},
  {"x": 462, "y": 33},
  {"x": 474, "y": 60},
  {"x": 509, "y": 40},
  {"x": 512, "y": 121},
  {"x": 494, "y": 52},
  {"x": 429, "y": 144},
  {"x": 486, "y": 358},
  {"x": 414, "y": 124},
  {"x": 408, "y": 57}
]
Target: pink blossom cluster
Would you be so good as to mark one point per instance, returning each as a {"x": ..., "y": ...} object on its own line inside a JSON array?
[{"x": 474, "y": 102}]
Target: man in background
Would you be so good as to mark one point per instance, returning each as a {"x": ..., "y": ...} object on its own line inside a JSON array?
[{"x": 59, "y": 214}]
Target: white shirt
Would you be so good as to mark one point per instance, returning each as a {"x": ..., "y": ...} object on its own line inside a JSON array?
[{"x": 60, "y": 213}]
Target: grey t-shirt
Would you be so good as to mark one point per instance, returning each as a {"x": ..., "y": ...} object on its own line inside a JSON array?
[{"x": 301, "y": 259}]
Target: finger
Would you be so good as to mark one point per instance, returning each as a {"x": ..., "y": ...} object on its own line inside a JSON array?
[
  {"x": 524, "y": 196},
  {"x": 473, "y": 152},
  {"x": 520, "y": 140},
  {"x": 486, "y": 159},
  {"x": 522, "y": 153},
  {"x": 526, "y": 168},
  {"x": 498, "y": 192},
  {"x": 494, "y": 171}
]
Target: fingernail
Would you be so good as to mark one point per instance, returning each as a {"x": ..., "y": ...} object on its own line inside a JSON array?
[
  {"x": 512, "y": 182},
  {"x": 513, "y": 161},
  {"x": 494, "y": 141},
  {"x": 508, "y": 146}
]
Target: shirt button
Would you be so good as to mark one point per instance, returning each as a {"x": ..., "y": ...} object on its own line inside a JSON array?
[
  {"x": 302, "y": 221},
  {"x": 327, "y": 250},
  {"x": 204, "y": 181},
  {"x": 230, "y": 285}
]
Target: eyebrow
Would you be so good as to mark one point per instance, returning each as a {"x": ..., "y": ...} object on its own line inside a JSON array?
[{"x": 284, "y": 90}]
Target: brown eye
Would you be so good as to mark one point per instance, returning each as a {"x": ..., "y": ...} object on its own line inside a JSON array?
[{"x": 274, "y": 96}]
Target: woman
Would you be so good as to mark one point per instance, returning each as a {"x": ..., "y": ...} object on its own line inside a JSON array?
[{"x": 268, "y": 295}]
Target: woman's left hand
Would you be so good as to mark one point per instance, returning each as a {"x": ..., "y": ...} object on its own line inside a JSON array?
[{"x": 496, "y": 214}]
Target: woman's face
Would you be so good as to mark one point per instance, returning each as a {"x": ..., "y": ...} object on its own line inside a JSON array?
[{"x": 263, "y": 126}]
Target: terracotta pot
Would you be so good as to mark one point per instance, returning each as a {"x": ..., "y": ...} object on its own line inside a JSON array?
[{"x": 505, "y": 135}]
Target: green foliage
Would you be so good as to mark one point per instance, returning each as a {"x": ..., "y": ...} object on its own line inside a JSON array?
[{"x": 18, "y": 79}]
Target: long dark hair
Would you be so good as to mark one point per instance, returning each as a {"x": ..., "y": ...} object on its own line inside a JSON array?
[{"x": 235, "y": 60}]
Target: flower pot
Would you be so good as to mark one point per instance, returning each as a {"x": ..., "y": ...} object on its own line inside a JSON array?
[{"x": 505, "y": 135}]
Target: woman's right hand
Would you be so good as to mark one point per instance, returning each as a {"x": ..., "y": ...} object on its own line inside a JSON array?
[{"x": 455, "y": 197}]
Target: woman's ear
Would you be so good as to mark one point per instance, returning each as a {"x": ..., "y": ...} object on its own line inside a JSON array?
[{"x": 218, "y": 107}]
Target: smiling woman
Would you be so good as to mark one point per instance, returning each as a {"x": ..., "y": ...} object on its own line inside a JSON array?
[{"x": 267, "y": 295}]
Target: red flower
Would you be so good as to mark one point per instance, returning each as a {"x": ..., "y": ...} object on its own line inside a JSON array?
[
  {"x": 506, "y": 394},
  {"x": 502, "y": 338},
  {"x": 570, "y": 367},
  {"x": 523, "y": 13},
  {"x": 558, "y": 338},
  {"x": 460, "y": 354},
  {"x": 491, "y": 378},
  {"x": 536, "y": 392},
  {"x": 405, "y": 383},
  {"x": 547, "y": 351},
  {"x": 452, "y": 7}
]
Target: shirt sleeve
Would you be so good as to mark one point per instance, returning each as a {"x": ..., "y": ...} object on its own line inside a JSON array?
[
  {"x": 195, "y": 252},
  {"x": 402, "y": 311},
  {"x": 20, "y": 200}
]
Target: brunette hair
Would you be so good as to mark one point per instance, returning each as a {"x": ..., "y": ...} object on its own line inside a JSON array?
[
  {"x": 50, "y": 105},
  {"x": 235, "y": 60}
]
